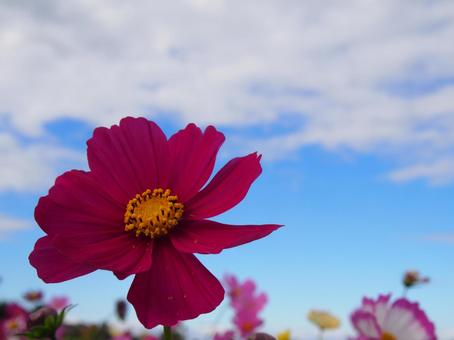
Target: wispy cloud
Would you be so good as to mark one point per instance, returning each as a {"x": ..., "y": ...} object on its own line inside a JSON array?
[
  {"x": 438, "y": 173},
  {"x": 441, "y": 237},
  {"x": 370, "y": 76},
  {"x": 27, "y": 168},
  {"x": 11, "y": 224}
]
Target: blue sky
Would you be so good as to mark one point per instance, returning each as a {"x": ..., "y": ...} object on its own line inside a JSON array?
[
  {"x": 351, "y": 108},
  {"x": 348, "y": 232}
]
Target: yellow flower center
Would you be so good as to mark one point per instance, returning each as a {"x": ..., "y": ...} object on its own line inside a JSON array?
[
  {"x": 247, "y": 327},
  {"x": 12, "y": 325},
  {"x": 153, "y": 213},
  {"x": 388, "y": 336}
]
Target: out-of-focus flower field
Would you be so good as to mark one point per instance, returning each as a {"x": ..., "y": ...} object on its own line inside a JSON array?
[{"x": 384, "y": 317}]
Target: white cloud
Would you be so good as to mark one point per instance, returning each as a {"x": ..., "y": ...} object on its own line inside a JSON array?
[
  {"x": 28, "y": 168},
  {"x": 441, "y": 237},
  {"x": 374, "y": 76},
  {"x": 11, "y": 224},
  {"x": 437, "y": 173}
]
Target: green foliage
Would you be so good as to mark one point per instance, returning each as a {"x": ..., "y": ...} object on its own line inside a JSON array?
[{"x": 49, "y": 326}]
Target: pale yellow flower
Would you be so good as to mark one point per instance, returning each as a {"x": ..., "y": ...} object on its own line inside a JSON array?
[
  {"x": 283, "y": 335},
  {"x": 323, "y": 320}
]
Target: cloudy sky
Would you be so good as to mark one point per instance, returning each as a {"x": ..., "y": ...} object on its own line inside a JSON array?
[{"x": 350, "y": 102}]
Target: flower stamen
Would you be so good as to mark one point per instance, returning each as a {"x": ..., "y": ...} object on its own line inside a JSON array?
[
  {"x": 153, "y": 213},
  {"x": 388, "y": 336}
]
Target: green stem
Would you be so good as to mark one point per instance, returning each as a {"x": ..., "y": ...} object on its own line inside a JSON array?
[{"x": 167, "y": 333}]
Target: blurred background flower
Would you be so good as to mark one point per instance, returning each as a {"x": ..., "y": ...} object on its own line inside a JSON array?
[
  {"x": 350, "y": 103},
  {"x": 121, "y": 308},
  {"x": 413, "y": 278},
  {"x": 285, "y": 335},
  {"x": 33, "y": 296},
  {"x": 13, "y": 320},
  {"x": 247, "y": 304},
  {"x": 323, "y": 320},
  {"x": 59, "y": 302},
  {"x": 383, "y": 319}
]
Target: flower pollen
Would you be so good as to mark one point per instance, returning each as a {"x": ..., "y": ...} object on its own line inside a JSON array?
[
  {"x": 153, "y": 213},
  {"x": 247, "y": 327},
  {"x": 388, "y": 336}
]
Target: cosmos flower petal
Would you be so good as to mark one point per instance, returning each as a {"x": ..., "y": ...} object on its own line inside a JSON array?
[
  {"x": 379, "y": 307},
  {"x": 193, "y": 157},
  {"x": 130, "y": 157},
  {"x": 209, "y": 237},
  {"x": 177, "y": 287},
  {"x": 86, "y": 225},
  {"x": 124, "y": 253},
  {"x": 52, "y": 266},
  {"x": 228, "y": 335},
  {"x": 403, "y": 320},
  {"x": 77, "y": 203},
  {"x": 366, "y": 324},
  {"x": 323, "y": 319},
  {"x": 407, "y": 321},
  {"x": 227, "y": 188}
]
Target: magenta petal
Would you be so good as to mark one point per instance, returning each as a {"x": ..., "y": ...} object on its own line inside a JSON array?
[
  {"x": 404, "y": 307},
  {"x": 121, "y": 276},
  {"x": 76, "y": 203},
  {"x": 54, "y": 267},
  {"x": 227, "y": 188},
  {"x": 86, "y": 225},
  {"x": 194, "y": 155},
  {"x": 129, "y": 158},
  {"x": 209, "y": 237},
  {"x": 124, "y": 254},
  {"x": 366, "y": 324},
  {"x": 177, "y": 287}
]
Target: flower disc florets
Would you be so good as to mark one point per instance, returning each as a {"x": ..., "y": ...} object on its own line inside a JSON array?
[
  {"x": 388, "y": 336},
  {"x": 153, "y": 213}
]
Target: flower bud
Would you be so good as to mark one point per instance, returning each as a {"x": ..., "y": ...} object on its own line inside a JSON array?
[
  {"x": 413, "y": 278},
  {"x": 33, "y": 296},
  {"x": 38, "y": 317},
  {"x": 121, "y": 308}
]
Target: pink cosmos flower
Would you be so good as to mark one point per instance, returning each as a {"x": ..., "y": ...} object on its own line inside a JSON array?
[
  {"x": 59, "y": 302},
  {"x": 13, "y": 321},
  {"x": 239, "y": 292},
  {"x": 401, "y": 320},
  {"x": 124, "y": 336},
  {"x": 243, "y": 295},
  {"x": 228, "y": 335},
  {"x": 247, "y": 304},
  {"x": 247, "y": 322},
  {"x": 143, "y": 209},
  {"x": 149, "y": 337}
]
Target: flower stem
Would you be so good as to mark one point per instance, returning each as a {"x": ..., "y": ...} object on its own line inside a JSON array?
[{"x": 167, "y": 333}]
